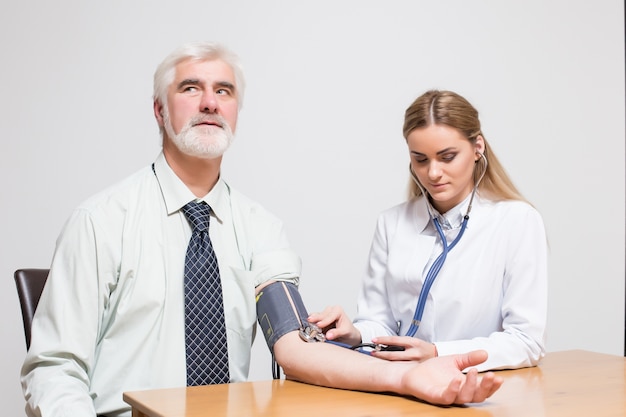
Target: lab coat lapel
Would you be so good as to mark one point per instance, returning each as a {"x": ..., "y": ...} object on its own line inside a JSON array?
[{"x": 421, "y": 244}]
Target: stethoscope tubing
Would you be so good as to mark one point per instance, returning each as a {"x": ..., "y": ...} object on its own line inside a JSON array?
[{"x": 433, "y": 271}]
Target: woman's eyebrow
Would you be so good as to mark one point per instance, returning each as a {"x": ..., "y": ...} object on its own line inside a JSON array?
[
  {"x": 446, "y": 150},
  {"x": 438, "y": 152}
]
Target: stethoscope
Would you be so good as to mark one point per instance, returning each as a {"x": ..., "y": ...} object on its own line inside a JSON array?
[
  {"x": 312, "y": 333},
  {"x": 434, "y": 269}
]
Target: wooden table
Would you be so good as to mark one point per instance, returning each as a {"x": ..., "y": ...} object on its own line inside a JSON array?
[{"x": 566, "y": 384}]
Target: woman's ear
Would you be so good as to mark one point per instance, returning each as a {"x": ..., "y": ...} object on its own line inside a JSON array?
[{"x": 479, "y": 146}]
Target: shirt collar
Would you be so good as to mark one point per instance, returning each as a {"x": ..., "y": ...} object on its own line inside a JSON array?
[
  {"x": 176, "y": 194},
  {"x": 452, "y": 219}
]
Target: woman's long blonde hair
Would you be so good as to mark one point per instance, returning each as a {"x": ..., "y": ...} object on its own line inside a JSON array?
[{"x": 437, "y": 107}]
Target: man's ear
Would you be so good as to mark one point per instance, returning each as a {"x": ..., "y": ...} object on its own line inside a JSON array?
[{"x": 158, "y": 113}]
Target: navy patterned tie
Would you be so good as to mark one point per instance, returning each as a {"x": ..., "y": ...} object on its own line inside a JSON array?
[{"x": 205, "y": 329}]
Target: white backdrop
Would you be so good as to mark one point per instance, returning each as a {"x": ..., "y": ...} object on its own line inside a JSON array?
[{"x": 319, "y": 140}]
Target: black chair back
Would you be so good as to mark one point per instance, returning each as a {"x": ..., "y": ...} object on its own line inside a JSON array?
[{"x": 30, "y": 283}]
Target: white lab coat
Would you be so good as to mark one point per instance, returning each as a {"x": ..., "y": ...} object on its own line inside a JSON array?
[{"x": 490, "y": 294}]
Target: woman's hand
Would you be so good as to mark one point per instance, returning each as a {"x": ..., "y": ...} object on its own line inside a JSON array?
[
  {"x": 336, "y": 325},
  {"x": 414, "y": 349}
]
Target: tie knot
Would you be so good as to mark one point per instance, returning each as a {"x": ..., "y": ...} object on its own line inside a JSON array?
[{"x": 198, "y": 215}]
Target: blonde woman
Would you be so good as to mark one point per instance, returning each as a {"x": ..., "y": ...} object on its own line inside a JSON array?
[{"x": 461, "y": 265}]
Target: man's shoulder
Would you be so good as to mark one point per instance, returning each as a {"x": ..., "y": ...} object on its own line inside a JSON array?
[
  {"x": 122, "y": 194},
  {"x": 247, "y": 206}
]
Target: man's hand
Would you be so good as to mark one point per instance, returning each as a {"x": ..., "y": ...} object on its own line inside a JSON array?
[{"x": 441, "y": 380}]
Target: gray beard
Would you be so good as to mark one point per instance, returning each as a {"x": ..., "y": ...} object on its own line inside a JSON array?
[{"x": 200, "y": 141}]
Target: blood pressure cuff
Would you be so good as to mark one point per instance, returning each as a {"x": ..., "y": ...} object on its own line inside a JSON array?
[{"x": 280, "y": 310}]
